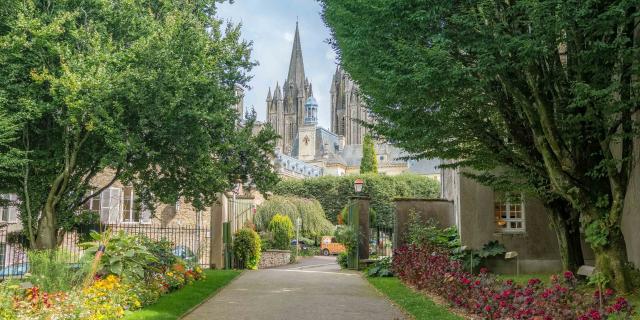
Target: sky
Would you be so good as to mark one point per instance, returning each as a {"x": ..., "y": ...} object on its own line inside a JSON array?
[{"x": 270, "y": 25}]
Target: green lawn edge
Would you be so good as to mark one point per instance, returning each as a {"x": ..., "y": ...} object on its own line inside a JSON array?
[
  {"x": 414, "y": 303},
  {"x": 176, "y": 304}
]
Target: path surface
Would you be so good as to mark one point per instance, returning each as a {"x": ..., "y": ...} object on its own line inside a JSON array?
[{"x": 314, "y": 289}]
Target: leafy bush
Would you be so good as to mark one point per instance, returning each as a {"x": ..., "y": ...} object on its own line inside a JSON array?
[
  {"x": 343, "y": 260},
  {"x": 347, "y": 236},
  {"x": 381, "y": 268},
  {"x": 429, "y": 267},
  {"x": 314, "y": 222},
  {"x": 52, "y": 270},
  {"x": 246, "y": 248},
  {"x": 281, "y": 228},
  {"x": 125, "y": 255},
  {"x": 162, "y": 250},
  {"x": 333, "y": 192}
]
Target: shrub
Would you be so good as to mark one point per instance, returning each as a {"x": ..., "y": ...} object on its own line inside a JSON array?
[
  {"x": 125, "y": 256},
  {"x": 246, "y": 248},
  {"x": 381, "y": 268},
  {"x": 430, "y": 268},
  {"x": 347, "y": 236},
  {"x": 281, "y": 228},
  {"x": 333, "y": 192},
  {"x": 343, "y": 260},
  {"x": 163, "y": 252},
  {"x": 52, "y": 270}
]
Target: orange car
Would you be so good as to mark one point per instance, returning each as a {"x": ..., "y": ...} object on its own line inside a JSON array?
[{"x": 330, "y": 246}]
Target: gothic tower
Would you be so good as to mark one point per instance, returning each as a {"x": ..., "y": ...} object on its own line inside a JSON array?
[
  {"x": 347, "y": 109},
  {"x": 285, "y": 111}
]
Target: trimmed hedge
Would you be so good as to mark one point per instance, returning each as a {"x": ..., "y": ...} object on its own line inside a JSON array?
[
  {"x": 333, "y": 192},
  {"x": 281, "y": 228},
  {"x": 246, "y": 248}
]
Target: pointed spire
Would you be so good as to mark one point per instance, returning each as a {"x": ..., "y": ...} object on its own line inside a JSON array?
[
  {"x": 310, "y": 90},
  {"x": 277, "y": 95},
  {"x": 269, "y": 95},
  {"x": 296, "y": 65}
]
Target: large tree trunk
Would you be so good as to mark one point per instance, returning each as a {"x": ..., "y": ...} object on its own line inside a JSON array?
[
  {"x": 566, "y": 225},
  {"x": 612, "y": 260},
  {"x": 47, "y": 231}
]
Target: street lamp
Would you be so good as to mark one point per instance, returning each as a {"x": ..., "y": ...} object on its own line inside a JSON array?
[{"x": 358, "y": 185}]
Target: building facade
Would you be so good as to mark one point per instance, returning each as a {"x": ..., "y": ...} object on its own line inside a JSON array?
[{"x": 348, "y": 111}]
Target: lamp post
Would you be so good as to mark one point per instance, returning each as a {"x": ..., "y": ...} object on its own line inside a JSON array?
[
  {"x": 358, "y": 184},
  {"x": 298, "y": 223}
]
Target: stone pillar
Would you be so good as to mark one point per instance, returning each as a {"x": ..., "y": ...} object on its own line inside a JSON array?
[
  {"x": 218, "y": 216},
  {"x": 362, "y": 205}
]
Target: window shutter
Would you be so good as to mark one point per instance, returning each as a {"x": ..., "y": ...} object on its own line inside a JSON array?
[
  {"x": 114, "y": 205},
  {"x": 105, "y": 201}
]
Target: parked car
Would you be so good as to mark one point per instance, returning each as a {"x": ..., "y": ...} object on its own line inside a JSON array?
[
  {"x": 329, "y": 245},
  {"x": 185, "y": 254},
  {"x": 14, "y": 270},
  {"x": 303, "y": 245}
]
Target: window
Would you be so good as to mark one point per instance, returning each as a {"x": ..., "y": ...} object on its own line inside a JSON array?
[
  {"x": 110, "y": 205},
  {"x": 509, "y": 213},
  {"x": 92, "y": 204},
  {"x": 130, "y": 207},
  {"x": 8, "y": 210}
]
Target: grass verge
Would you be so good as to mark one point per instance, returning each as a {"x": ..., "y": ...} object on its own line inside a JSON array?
[
  {"x": 414, "y": 303},
  {"x": 176, "y": 304}
]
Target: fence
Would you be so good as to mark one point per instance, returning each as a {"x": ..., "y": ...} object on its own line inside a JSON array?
[
  {"x": 189, "y": 243},
  {"x": 381, "y": 242}
]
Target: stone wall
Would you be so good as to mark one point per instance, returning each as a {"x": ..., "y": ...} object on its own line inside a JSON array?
[{"x": 274, "y": 258}]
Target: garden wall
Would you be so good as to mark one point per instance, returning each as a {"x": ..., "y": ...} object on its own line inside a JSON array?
[
  {"x": 274, "y": 258},
  {"x": 436, "y": 209}
]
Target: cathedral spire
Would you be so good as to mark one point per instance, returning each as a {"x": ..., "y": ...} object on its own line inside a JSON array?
[
  {"x": 296, "y": 65},
  {"x": 276, "y": 93},
  {"x": 269, "y": 95}
]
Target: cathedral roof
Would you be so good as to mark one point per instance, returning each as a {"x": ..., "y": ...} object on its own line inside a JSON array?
[{"x": 296, "y": 65}]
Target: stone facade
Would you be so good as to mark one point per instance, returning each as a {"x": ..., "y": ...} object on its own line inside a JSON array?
[{"x": 274, "y": 258}]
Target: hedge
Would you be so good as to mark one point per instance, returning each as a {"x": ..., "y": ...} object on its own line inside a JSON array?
[
  {"x": 333, "y": 192},
  {"x": 314, "y": 222}
]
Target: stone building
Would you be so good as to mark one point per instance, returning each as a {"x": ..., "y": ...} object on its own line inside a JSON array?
[{"x": 308, "y": 150}]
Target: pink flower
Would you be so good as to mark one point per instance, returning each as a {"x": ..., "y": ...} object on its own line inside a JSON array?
[
  {"x": 568, "y": 275},
  {"x": 487, "y": 308}
]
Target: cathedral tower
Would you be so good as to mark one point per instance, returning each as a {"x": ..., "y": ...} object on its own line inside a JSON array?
[
  {"x": 286, "y": 112},
  {"x": 347, "y": 109}
]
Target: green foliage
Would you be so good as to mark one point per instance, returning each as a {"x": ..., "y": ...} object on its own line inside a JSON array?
[
  {"x": 343, "y": 260},
  {"x": 381, "y": 268},
  {"x": 125, "y": 255},
  {"x": 140, "y": 87},
  {"x": 369, "y": 163},
  {"x": 281, "y": 228},
  {"x": 247, "y": 248},
  {"x": 162, "y": 250},
  {"x": 525, "y": 93},
  {"x": 314, "y": 222},
  {"x": 53, "y": 270},
  {"x": 333, "y": 192},
  {"x": 348, "y": 236}
]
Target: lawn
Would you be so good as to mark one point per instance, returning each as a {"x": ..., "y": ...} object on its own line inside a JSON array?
[
  {"x": 414, "y": 303},
  {"x": 174, "y": 305}
]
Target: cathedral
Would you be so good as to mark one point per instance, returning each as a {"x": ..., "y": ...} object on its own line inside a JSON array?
[{"x": 307, "y": 150}]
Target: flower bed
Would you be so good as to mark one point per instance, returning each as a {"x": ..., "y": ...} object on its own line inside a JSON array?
[
  {"x": 430, "y": 268},
  {"x": 132, "y": 273}
]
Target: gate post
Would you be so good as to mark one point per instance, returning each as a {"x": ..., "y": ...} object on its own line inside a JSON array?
[
  {"x": 218, "y": 217},
  {"x": 359, "y": 220}
]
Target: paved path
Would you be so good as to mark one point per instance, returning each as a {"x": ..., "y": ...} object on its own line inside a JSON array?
[{"x": 314, "y": 289}]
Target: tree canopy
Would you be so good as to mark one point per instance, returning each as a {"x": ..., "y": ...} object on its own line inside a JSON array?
[
  {"x": 535, "y": 95},
  {"x": 143, "y": 88}
]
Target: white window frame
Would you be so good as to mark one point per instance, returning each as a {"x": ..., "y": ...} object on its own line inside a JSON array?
[
  {"x": 114, "y": 203},
  {"x": 507, "y": 228},
  {"x": 9, "y": 212},
  {"x": 131, "y": 211}
]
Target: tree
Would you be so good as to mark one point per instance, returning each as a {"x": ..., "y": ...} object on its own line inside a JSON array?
[
  {"x": 314, "y": 221},
  {"x": 369, "y": 163},
  {"x": 139, "y": 88},
  {"x": 541, "y": 90}
]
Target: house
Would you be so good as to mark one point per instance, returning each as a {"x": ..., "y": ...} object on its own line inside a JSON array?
[{"x": 521, "y": 224}]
